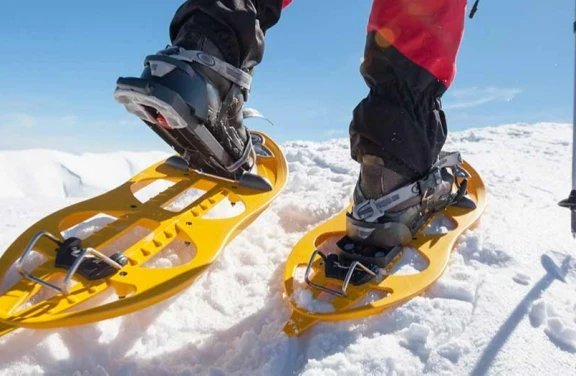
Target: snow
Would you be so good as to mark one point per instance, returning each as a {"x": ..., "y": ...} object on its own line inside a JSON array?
[{"x": 505, "y": 306}]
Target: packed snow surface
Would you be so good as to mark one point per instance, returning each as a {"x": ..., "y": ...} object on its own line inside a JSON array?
[{"x": 505, "y": 306}]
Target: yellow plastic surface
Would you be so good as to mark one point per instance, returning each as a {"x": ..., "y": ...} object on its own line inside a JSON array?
[
  {"x": 136, "y": 286},
  {"x": 394, "y": 289}
]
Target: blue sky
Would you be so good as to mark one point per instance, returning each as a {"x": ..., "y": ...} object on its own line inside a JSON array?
[{"x": 60, "y": 61}]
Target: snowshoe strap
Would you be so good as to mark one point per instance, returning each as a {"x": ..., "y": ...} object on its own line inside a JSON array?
[
  {"x": 446, "y": 160},
  {"x": 249, "y": 149},
  {"x": 371, "y": 210},
  {"x": 230, "y": 72},
  {"x": 245, "y": 157}
]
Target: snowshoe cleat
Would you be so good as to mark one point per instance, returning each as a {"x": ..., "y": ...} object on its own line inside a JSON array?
[{"x": 360, "y": 246}]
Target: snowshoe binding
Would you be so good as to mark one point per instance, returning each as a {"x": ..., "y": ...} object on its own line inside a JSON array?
[
  {"x": 193, "y": 100},
  {"x": 366, "y": 240}
]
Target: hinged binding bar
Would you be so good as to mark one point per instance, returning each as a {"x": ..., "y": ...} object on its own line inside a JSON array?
[
  {"x": 351, "y": 269},
  {"x": 81, "y": 254}
]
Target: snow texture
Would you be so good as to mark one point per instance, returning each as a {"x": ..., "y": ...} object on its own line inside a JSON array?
[{"x": 505, "y": 306}]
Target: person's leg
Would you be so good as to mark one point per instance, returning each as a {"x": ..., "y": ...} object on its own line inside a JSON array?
[
  {"x": 399, "y": 129},
  {"x": 409, "y": 63},
  {"x": 237, "y": 27},
  {"x": 232, "y": 30}
]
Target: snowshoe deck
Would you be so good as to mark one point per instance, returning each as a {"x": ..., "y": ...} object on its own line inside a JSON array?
[
  {"x": 318, "y": 298},
  {"x": 42, "y": 299}
]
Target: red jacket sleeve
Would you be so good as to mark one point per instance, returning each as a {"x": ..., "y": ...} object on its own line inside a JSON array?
[
  {"x": 285, "y": 3},
  {"x": 428, "y": 32}
]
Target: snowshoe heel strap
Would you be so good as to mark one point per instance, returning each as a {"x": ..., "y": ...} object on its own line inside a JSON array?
[{"x": 226, "y": 70}]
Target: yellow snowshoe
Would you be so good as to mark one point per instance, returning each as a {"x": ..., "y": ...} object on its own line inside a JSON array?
[
  {"x": 56, "y": 281},
  {"x": 327, "y": 280}
]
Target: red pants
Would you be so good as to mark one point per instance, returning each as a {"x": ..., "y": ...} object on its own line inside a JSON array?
[{"x": 428, "y": 32}]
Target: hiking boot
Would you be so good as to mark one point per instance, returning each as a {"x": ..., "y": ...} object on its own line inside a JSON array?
[
  {"x": 192, "y": 98},
  {"x": 390, "y": 207}
]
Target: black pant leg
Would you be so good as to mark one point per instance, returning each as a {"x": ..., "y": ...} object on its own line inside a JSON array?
[
  {"x": 237, "y": 27},
  {"x": 401, "y": 119}
]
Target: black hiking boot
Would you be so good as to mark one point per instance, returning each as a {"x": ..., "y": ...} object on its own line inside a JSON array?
[
  {"x": 389, "y": 208},
  {"x": 193, "y": 100}
]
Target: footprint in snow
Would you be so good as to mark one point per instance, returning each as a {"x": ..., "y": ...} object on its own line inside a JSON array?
[
  {"x": 453, "y": 350},
  {"x": 458, "y": 283},
  {"x": 522, "y": 279},
  {"x": 558, "y": 320}
]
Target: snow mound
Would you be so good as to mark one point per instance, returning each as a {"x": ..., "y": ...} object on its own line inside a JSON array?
[
  {"x": 46, "y": 173},
  {"x": 498, "y": 310}
]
